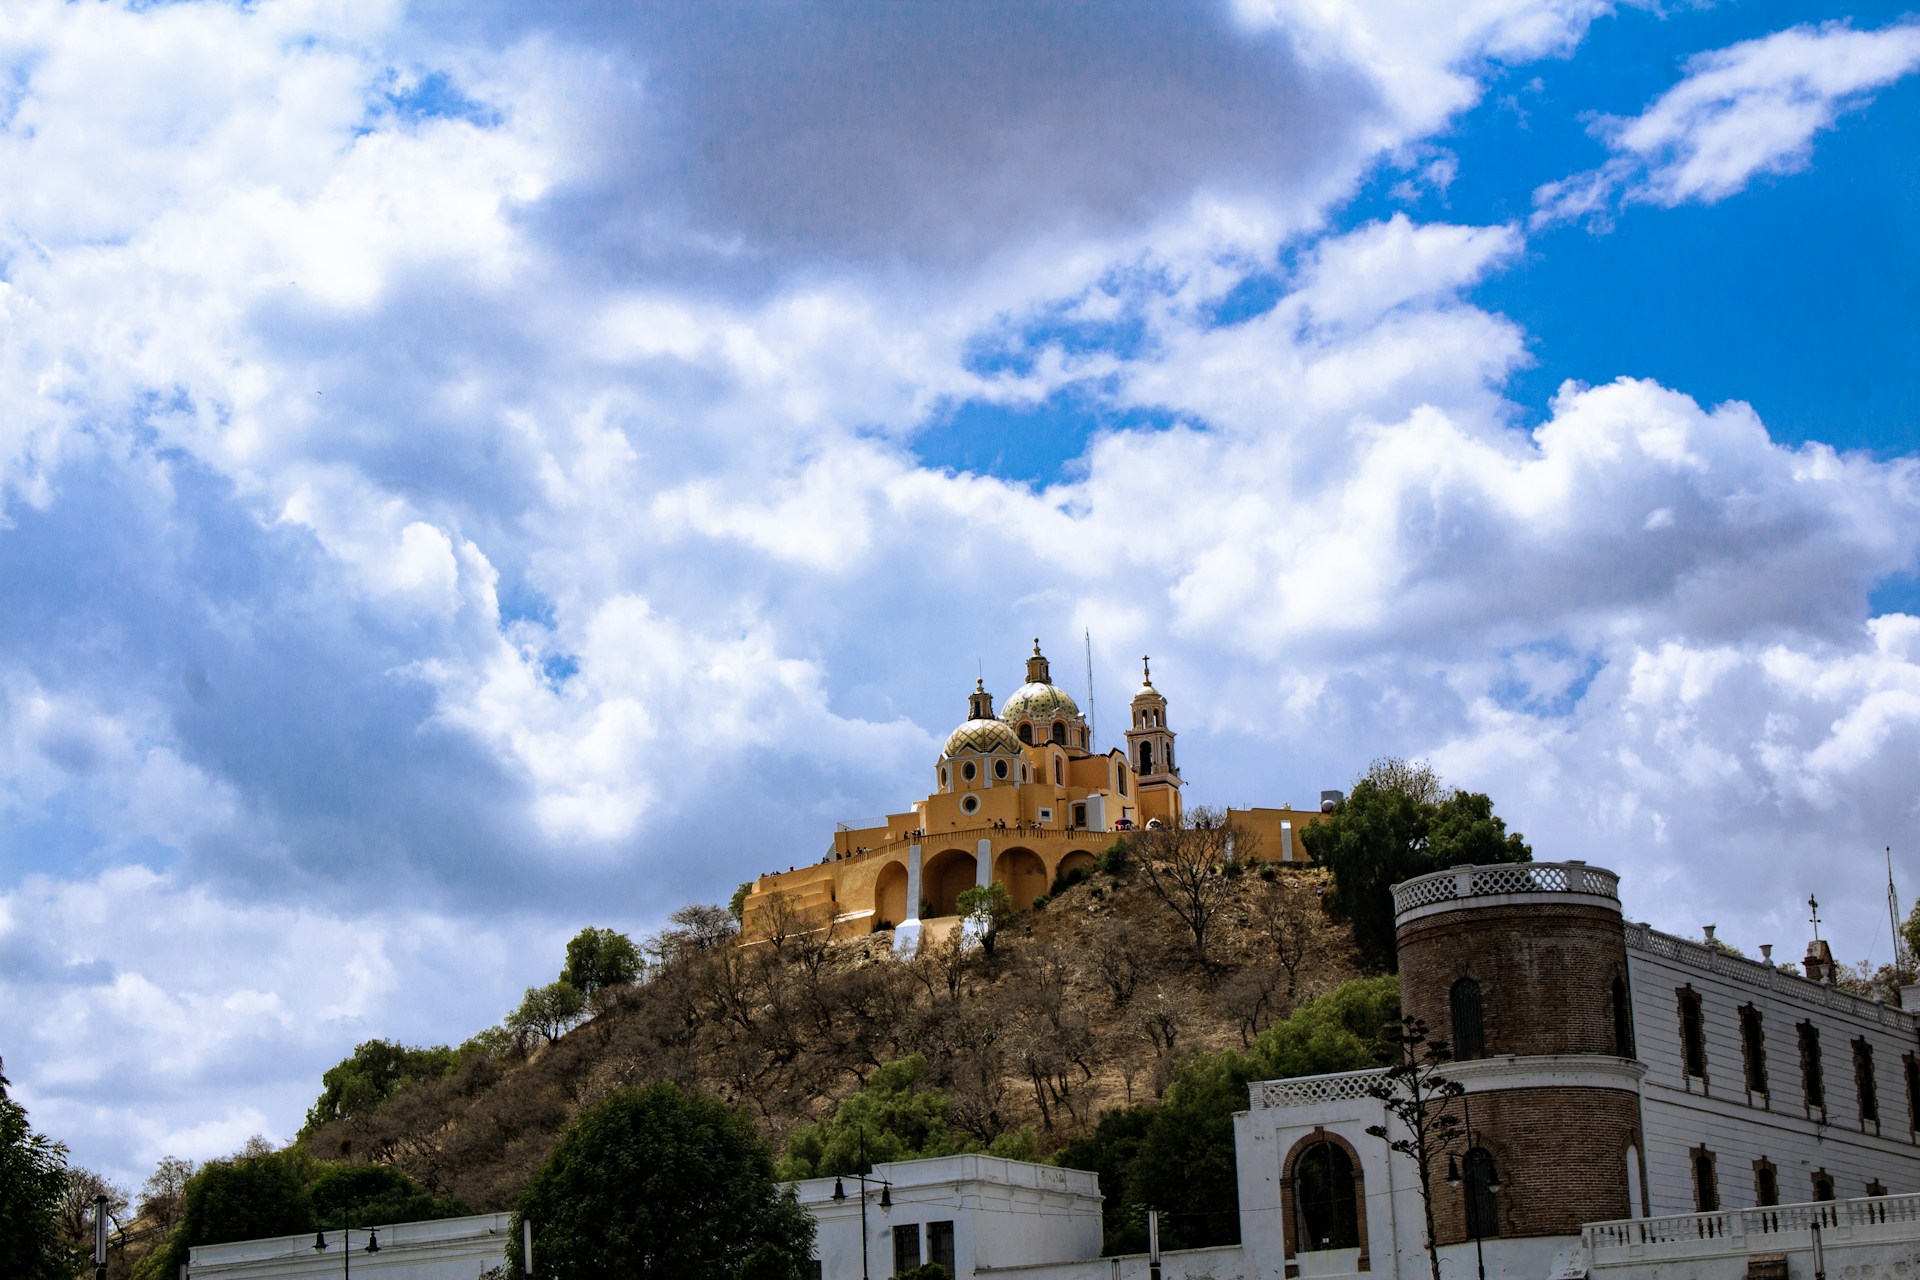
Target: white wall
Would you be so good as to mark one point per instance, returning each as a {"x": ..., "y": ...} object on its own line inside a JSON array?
[
  {"x": 447, "y": 1249},
  {"x": 1738, "y": 1127},
  {"x": 1004, "y": 1212}
]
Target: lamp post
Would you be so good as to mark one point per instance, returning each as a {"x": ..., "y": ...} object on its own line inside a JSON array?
[
  {"x": 886, "y": 1200},
  {"x": 1453, "y": 1179},
  {"x": 100, "y": 1237},
  {"x": 346, "y": 1243}
]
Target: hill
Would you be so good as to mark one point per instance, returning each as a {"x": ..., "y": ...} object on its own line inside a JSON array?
[{"x": 1085, "y": 1004}]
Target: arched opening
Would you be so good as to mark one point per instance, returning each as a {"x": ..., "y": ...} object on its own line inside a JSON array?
[
  {"x": 1146, "y": 758},
  {"x": 1325, "y": 1204},
  {"x": 1023, "y": 874},
  {"x": 1479, "y": 1184},
  {"x": 1060, "y": 732},
  {"x": 890, "y": 895},
  {"x": 1059, "y": 772},
  {"x": 1469, "y": 1035},
  {"x": 946, "y": 876},
  {"x": 1073, "y": 862},
  {"x": 1026, "y": 733}
]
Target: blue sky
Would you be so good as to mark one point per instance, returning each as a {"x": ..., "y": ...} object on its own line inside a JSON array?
[{"x": 469, "y": 472}]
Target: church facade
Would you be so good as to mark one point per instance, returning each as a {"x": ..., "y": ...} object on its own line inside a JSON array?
[{"x": 1020, "y": 797}]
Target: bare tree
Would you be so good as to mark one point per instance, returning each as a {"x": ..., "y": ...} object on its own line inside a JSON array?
[
  {"x": 1185, "y": 867},
  {"x": 1414, "y": 779},
  {"x": 75, "y": 1214},
  {"x": 164, "y": 1192},
  {"x": 1250, "y": 998},
  {"x": 1119, "y": 960},
  {"x": 1290, "y": 917},
  {"x": 1416, "y": 1095}
]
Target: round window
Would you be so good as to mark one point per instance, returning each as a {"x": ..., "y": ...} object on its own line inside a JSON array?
[
  {"x": 999, "y": 768},
  {"x": 967, "y": 771},
  {"x": 969, "y": 804}
]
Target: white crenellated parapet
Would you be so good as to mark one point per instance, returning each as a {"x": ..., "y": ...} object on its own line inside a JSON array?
[{"x": 1445, "y": 890}]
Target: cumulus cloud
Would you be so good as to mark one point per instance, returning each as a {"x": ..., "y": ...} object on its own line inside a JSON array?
[
  {"x": 1749, "y": 109},
  {"x": 464, "y": 458}
]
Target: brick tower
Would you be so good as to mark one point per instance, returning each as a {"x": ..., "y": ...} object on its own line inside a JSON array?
[{"x": 1522, "y": 969}]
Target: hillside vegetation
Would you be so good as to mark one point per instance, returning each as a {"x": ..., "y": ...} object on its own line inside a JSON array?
[{"x": 1085, "y": 1005}]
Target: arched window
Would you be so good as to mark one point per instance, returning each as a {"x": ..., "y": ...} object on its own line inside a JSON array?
[
  {"x": 1059, "y": 773},
  {"x": 1822, "y": 1185},
  {"x": 1483, "y": 1211},
  {"x": 1323, "y": 1198},
  {"x": 1766, "y": 1183},
  {"x": 1060, "y": 732},
  {"x": 1469, "y": 1036},
  {"x": 1146, "y": 758},
  {"x": 1026, "y": 733},
  {"x": 1123, "y": 779},
  {"x": 1622, "y": 1019}
]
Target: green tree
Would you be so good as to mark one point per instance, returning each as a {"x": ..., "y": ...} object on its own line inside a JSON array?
[
  {"x": 244, "y": 1198},
  {"x": 599, "y": 958},
  {"x": 737, "y": 904},
  {"x": 548, "y": 1011},
  {"x": 653, "y": 1183},
  {"x": 986, "y": 907},
  {"x": 1398, "y": 823},
  {"x": 33, "y": 1175},
  {"x": 1179, "y": 1156},
  {"x": 373, "y": 1195},
  {"x": 898, "y": 1116},
  {"x": 370, "y": 1075}
]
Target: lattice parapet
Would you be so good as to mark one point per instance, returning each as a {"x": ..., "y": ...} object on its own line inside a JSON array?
[
  {"x": 1303, "y": 1091},
  {"x": 1504, "y": 878}
]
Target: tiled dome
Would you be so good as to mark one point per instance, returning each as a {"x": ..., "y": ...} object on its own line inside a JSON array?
[
  {"x": 984, "y": 736},
  {"x": 1039, "y": 702}
]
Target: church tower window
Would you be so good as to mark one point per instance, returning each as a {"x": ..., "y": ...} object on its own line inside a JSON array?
[
  {"x": 1026, "y": 733},
  {"x": 1146, "y": 758},
  {"x": 1060, "y": 733}
]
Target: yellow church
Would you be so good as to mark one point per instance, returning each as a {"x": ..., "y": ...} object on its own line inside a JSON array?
[{"x": 1019, "y": 798}]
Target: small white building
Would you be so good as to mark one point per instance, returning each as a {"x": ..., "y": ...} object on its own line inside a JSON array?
[
  {"x": 445, "y": 1249},
  {"x": 969, "y": 1213}
]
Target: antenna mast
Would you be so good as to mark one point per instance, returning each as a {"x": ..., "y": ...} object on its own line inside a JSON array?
[
  {"x": 1900, "y": 957},
  {"x": 1091, "y": 727}
]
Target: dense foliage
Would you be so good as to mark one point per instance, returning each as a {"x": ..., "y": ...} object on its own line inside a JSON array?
[
  {"x": 370, "y": 1075},
  {"x": 652, "y": 1183},
  {"x": 276, "y": 1193},
  {"x": 1178, "y": 1156},
  {"x": 898, "y": 1116},
  {"x": 33, "y": 1176},
  {"x": 598, "y": 958},
  {"x": 1397, "y": 823}
]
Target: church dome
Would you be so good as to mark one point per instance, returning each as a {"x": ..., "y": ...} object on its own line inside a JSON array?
[
  {"x": 1038, "y": 701},
  {"x": 985, "y": 736}
]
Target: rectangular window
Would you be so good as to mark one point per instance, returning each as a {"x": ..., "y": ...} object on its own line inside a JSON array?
[
  {"x": 1812, "y": 1080},
  {"x": 940, "y": 1246},
  {"x": 1753, "y": 1048},
  {"x": 1863, "y": 1082},
  {"x": 906, "y": 1247},
  {"x": 1693, "y": 1037},
  {"x": 1766, "y": 1183},
  {"x": 1706, "y": 1184},
  {"x": 1912, "y": 1069}
]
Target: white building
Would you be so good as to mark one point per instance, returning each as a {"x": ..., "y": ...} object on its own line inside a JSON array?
[
  {"x": 447, "y": 1249},
  {"x": 970, "y": 1213}
]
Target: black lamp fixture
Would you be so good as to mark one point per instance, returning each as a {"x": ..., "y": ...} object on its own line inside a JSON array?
[
  {"x": 839, "y": 1190},
  {"x": 373, "y": 1241}
]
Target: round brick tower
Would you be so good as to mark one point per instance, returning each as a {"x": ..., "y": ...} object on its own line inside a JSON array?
[{"x": 1522, "y": 969}]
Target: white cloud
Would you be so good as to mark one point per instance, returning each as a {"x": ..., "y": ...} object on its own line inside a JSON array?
[{"x": 1751, "y": 108}]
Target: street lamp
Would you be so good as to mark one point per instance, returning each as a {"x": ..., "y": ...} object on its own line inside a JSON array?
[
  {"x": 346, "y": 1243},
  {"x": 886, "y": 1200},
  {"x": 1492, "y": 1186}
]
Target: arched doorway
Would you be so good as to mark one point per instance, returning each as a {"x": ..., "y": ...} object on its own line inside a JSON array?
[
  {"x": 1024, "y": 875},
  {"x": 890, "y": 895},
  {"x": 1324, "y": 1197},
  {"x": 944, "y": 877}
]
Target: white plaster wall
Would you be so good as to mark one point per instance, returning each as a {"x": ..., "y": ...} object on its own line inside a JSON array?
[
  {"x": 1222, "y": 1263},
  {"x": 448, "y": 1249},
  {"x": 1004, "y": 1212},
  {"x": 1739, "y": 1128}
]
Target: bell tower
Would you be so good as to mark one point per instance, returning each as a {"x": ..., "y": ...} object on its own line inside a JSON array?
[
  {"x": 1037, "y": 666},
  {"x": 1150, "y": 752}
]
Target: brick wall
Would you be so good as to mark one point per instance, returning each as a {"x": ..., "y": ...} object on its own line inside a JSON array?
[
  {"x": 1560, "y": 1156},
  {"x": 1545, "y": 971}
]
